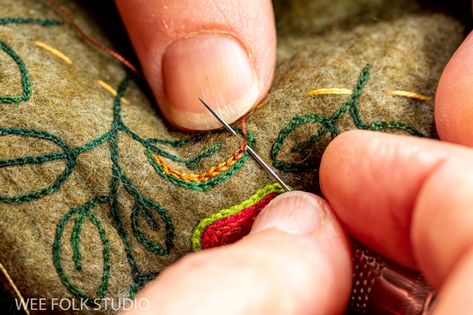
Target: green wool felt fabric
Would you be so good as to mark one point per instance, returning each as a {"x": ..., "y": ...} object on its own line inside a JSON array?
[{"x": 85, "y": 209}]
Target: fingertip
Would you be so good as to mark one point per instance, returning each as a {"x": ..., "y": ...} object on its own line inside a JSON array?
[
  {"x": 454, "y": 97},
  {"x": 304, "y": 227}
]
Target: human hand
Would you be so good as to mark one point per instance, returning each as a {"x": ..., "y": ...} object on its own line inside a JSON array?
[{"x": 406, "y": 198}]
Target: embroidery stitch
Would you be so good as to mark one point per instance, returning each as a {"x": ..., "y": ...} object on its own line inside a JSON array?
[
  {"x": 343, "y": 91},
  {"x": 25, "y": 80},
  {"x": 204, "y": 181},
  {"x": 212, "y": 172},
  {"x": 54, "y": 51},
  {"x": 111, "y": 90},
  {"x": 329, "y": 91},
  {"x": 328, "y": 126},
  {"x": 204, "y": 224},
  {"x": 20, "y": 20},
  {"x": 408, "y": 94},
  {"x": 142, "y": 207}
]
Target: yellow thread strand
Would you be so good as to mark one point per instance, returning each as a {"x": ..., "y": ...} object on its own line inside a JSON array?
[
  {"x": 54, "y": 51},
  {"x": 15, "y": 288},
  {"x": 408, "y": 94},
  {"x": 330, "y": 91},
  {"x": 111, "y": 90},
  {"x": 212, "y": 172}
]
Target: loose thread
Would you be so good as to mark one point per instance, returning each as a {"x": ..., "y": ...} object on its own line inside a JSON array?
[
  {"x": 70, "y": 20},
  {"x": 243, "y": 129},
  {"x": 15, "y": 288},
  {"x": 54, "y": 51}
]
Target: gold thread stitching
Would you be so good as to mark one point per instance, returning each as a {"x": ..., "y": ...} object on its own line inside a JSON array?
[
  {"x": 54, "y": 51},
  {"x": 111, "y": 90}
]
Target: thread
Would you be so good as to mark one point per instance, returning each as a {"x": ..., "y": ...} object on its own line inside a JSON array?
[
  {"x": 111, "y": 90},
  {"x": 409, "y": 94},
  {"x": 63, "y": 12},
  {"x": 212, "y": 172},
  {"x": 241, "y": 223},
  {"x": 21, "y": 20},
  {"x": 25, "y": 80},
  {"x": 329, "y": 91},
  {"x": 15, "y": 288},
  {"x": 54, "y": 51},
  {"x": 328, "y": 125},
  {"x": 231, "y": 229},
  {"x": 343, "y": 91}
]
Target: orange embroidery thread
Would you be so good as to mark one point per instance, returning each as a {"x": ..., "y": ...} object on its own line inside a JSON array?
[{"x": 212, "y": 172}]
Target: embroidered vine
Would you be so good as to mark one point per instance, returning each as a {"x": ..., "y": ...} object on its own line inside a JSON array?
[
  {"x": 328, "y": 126},
  {"x": 143, "y": 206}
]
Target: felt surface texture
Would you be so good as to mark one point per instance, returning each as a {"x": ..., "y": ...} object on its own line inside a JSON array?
[{"x": 322, "y": 44}]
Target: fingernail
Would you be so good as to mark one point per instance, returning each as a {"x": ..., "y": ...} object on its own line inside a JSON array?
[
  {"x": 295, "y": 212},
  {"x": 213, "y": 67}
]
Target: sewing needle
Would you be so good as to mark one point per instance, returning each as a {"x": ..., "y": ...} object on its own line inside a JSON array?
[{"x": 255, "y": 156}]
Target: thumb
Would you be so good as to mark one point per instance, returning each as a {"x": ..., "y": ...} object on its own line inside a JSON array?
[
  {"x": 221, "y": 51},
  {"x": 296, "y": 260}
]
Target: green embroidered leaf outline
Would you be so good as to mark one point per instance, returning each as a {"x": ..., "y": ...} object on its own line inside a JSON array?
[
  {"x": 68, "y": 154},
  {"x": 328, "y": 126},
  {"x": 25, "y": 80},
  {"x": 82, "y": 212},
  {"x": 142, "y": 207}
]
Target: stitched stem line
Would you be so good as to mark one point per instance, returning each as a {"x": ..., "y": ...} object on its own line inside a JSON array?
[
  {"x": 21, "y": 20},
  {"x": 204, "y": 223},
  {"x": 194, "y": 162},
  {"x": 329, "y": 127}
]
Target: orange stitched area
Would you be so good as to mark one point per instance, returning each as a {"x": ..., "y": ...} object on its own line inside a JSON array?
[{"x": 212, "y": 172}]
